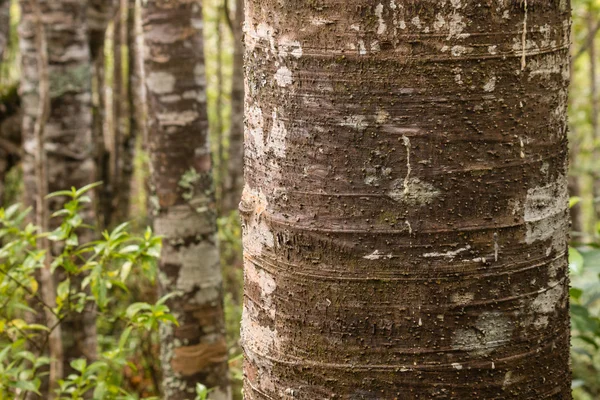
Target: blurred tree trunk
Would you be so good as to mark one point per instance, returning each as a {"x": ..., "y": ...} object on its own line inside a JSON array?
[
  {"x": 4, "y": 26},
  {"x": 234, "y": 179},
  {"x": 594, "y": 109},
  {"x": 185, "y": 212},
  {"x": 68, "y": 136},
  {"x": 10, "y": 136},
  {"x": 406, "y": 209},
  {"x": 99, "y": 14}
]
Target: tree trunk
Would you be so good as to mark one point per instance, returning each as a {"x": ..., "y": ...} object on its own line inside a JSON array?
[
  {"x": 594, "y": 109},
  {"x": 99, "y": 14},
  {"x": 234, "y": 179},
  {"x": 185, "y": 216},
  {"x": 68, "y": 138},
  {"x": 405, "y": 208},
  {"x": 4, "y": 26}
]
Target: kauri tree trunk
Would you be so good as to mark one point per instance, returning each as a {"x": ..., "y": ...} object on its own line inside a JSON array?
[
  {"x": 68, "y": 138},
  {"x": 405, "y": 208},
  {"x": 196, "y": 351},
  {"x": 234, "y": 179}
]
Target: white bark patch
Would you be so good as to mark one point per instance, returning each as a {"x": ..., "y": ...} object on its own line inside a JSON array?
[
  {"x": 490, "y": 84},
  {"x": 200, "y": 269},
  {"x": 462, "y": 298},
  {"x": 379, "y": 13},
  {"x": 448, "y": 254},
  {"x": 457, "y": 366},
  {"x": 255, "y": 129},
  {"x": 261, "y": 340},
  {"x": 318, "y": 21},
  {"x": 160, "y": 82},
  {"x": 178, "y": 118},
  {"x": 258, "y": 235},
  {"x": 181, "y": 221},
  {"x": 456, "y": 26},
  {"x": 543, "y": 208},
  {"x": 265, "y": 282},
  {"x": 377, "y": 255},
  {"x": 419, "y": 193},
  {"x": 283, "y": 76},
  {"x": 491, "y": 330},
  {"x": 546, "y": 303},
  {"x": 362, "y": 50},
  {"x": 458, "y": 51},
  {"x": 439, "y": 22},
  {"x": 357, "y": 122},
  {"x": 416, "y": 21},
  {"x": 277, "y": 138},
  {"x": 288, "y": 47}
]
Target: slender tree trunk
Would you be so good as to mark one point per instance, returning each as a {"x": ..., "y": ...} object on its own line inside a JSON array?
[
  {"x": 134, "y": 110},
  {"x": 99, "y": 14},
  {"x": 594, "y": 109},
  {"x": 196, "y": 351},
  {"x": 68, "y": 141},
  {"x": 234, "y": 179},
  {"x": 405, "y": 208},
  {"x": 55, "y": 345},
  {"x": 4, "y": 26}
]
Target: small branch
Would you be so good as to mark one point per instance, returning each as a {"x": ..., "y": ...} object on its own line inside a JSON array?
[{"x": 588, "y": 42}]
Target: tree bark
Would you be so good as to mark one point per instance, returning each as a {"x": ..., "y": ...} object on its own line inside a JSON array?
[
  {"x": 99, "y": 14},
  {"x": 185, "y": 213},
  {"x": 4, "y": 26},
  {"x": 67, "y": 134},
  {"x": 234, "y": 179},
  {"x": 406, "y": 209},
  {"x": 594, "y": 109}
]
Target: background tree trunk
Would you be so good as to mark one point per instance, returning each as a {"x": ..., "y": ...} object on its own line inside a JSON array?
[
  {"x": 4, "y": 26},
  {"x": 196, "y": 351},
  {"x": 99, "y": 14},
  {"x": 234, "y": 179},
  {"x": 68, "y": 138},
  {"x": 405, "y": 208}
]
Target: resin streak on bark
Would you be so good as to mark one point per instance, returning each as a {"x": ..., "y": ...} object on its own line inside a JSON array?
[
  {"x": 405, "y": 209},
  {"x": 185, "y": 215}
]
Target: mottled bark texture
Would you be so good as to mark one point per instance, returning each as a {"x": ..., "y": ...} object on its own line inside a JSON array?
[
  {"x": 182, "y": 193},
  {"x": 234, "y": 179},
  {"x": 4, "y": 25},
  {"x": 67, "y": 133},
  {"x": 405, "y": 208}
]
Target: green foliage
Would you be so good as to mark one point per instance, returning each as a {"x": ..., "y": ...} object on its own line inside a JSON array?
[{"x": 91, "y": 277}]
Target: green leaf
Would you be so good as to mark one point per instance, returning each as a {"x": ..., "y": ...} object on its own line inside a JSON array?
[
  {"x": 573, "y": 201},
  {"x": 60, "y": 193},
  {"x": 135, "y": 308},
  {"x": 201, "y": 392},
  {"x": 28, "y": 386},
  {"x": 79, "y": 364},
  {"x": 87, "y": 188},
  {"x": 575, "y": 261},
  {"x": 100, "y": 391},
  {"x": 575, "y": 293},
  {"x": 164, "y": 299}
]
